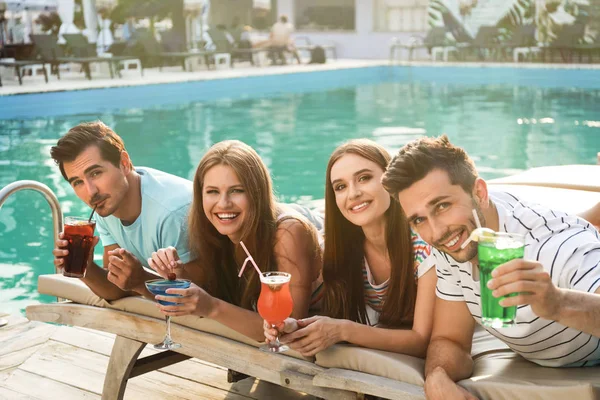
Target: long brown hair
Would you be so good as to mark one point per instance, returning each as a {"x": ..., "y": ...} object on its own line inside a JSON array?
[
  {"x": 216, "y": 252},
  {"x": 344, "y": 253}
]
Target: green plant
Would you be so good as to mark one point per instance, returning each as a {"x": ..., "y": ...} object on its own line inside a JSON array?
[{"x": 49, "y": 22}]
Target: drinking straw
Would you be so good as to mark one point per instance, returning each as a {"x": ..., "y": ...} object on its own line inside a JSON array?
[
  {"x": 92, "y": 214},
  {"x": 476, "y": 218},
  {"x": 249, "y": 258},
  {"x": 478, "y": 223}
]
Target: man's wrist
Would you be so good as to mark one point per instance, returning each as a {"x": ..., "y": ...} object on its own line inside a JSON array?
[
  {"x": 437, "y": 373},
  {"x": 562, "y": 305}
]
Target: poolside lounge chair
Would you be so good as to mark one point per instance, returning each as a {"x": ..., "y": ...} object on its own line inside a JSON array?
[
  {"x": 435, "y": 42},
  {"x": 340, "y": 372},
  {"x": 221, "y": 45},
  {"x": 485, "y": 43},
  {"x": 170, "y": 49},
  {"x": 173, "y": 47},
  {"x": 566, "y": 43},
  {"x": 521, "y": 43},
  {"x": 589, "y": 48},
  {"x": 48, "y": 50},
  {"x": 84, "y": 53},
  {"x": 19, "y": 65}
]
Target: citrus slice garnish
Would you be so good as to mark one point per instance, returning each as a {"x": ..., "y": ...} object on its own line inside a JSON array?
[{"x": 481, "y": 233}]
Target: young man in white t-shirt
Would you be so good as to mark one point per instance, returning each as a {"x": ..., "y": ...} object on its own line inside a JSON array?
[
  {"x": 557, "y": 282},
  {"x": 137, "y": 211},
  {"x": 281, "y": 41}
]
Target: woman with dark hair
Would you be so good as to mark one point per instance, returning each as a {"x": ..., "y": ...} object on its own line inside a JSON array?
[
  {"x": 233, "y": 202},
  {"x": 371, "y": 265}
]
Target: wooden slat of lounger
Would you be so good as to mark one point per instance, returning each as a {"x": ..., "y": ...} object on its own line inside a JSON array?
[
  {"x": 270, "y": 367},
  {"x": 30, "y": 385},
  {"x": 368, "y": 384},
  {"x": 194, "y": 370}
]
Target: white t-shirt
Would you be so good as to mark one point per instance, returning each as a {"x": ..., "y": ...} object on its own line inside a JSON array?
[
  {"x": 166, "y": 200},
  {"x": 281, "y": 33},
  {"x": 569, "y": 249}
]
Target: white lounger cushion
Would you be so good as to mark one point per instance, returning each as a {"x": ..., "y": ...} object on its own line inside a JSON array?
[
  {"x": 578, "y": 177},
  {"x": 508, "y": 376},
  {"x": 75, "y": 290},
  {"x": 570, "y": 201},
  {"x": 396, "y": 366}
]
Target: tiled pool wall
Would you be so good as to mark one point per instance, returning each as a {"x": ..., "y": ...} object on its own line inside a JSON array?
[{"x": 155, "y": 95}]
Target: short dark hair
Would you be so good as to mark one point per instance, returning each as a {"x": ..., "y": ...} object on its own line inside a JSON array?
[
  {"x": 283, "y": 18},
  {"x": 421, "y": 156},
  {"x": 84, "y": 135}
]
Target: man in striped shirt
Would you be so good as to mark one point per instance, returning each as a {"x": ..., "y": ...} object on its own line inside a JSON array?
[{"x": 557, "y": 283}]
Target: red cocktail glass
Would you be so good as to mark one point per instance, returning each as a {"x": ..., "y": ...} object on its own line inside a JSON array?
[
  {"x": 275, "y": 304},
  {"x": 79, "y": 232}
]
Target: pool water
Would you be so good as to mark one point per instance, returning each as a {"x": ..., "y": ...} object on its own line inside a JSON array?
[{"x": 507, "y": 123}]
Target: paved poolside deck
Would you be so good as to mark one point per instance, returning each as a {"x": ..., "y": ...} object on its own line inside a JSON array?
[
  {"x": 75, "y": 80},
  {"x": 43, "y": 361}
]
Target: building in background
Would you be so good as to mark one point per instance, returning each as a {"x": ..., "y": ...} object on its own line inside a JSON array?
[{"x": 359, "y": 28}]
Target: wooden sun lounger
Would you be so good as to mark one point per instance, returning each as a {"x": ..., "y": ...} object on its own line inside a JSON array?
[
  {"x": 135, "y": 331},
  {"x": 183, "y": 56},
  {"x": 205, "y": 340}
]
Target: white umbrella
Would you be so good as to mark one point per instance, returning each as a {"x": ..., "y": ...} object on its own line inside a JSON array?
[
  {"x": 66, "y": 12},
  {"x": 105, "y": 38},
  {"x": 90, "y": 15}
]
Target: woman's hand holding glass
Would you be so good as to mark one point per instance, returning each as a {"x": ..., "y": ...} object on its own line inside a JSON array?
[
  {"x": 166, "y": 261},
  {"x": 193, "y": 301},
  {"x": 288, "y": 326},
  {"x": 313, "y": 335}
]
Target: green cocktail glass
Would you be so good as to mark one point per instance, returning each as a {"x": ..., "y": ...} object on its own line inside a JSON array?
[{"x": 494, "y": 251}]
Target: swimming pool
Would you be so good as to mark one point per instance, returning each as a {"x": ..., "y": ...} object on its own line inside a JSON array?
[{"x": 508, "y": 120}]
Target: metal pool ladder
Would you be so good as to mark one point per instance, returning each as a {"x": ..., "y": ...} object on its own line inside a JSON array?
[{"x": 57, "y": 215}]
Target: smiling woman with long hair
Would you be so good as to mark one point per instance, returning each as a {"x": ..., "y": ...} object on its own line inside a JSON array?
[
  {"x": 371, "y": 264},
  {"x": 233, "y": 202}
]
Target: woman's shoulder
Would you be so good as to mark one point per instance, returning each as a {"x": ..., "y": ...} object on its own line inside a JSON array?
[{"x": 291, "y": 229}]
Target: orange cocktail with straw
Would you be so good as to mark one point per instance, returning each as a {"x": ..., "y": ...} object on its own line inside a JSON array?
[{"x": 275, "y": 302}]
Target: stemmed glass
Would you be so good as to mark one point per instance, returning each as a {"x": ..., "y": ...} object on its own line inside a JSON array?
[
  {"x": 159, "y": 287},
  {"x": 275, "y": 304}
]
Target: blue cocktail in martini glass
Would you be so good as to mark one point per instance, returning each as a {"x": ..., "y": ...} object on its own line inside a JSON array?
[{"x": 159, "y": 287}]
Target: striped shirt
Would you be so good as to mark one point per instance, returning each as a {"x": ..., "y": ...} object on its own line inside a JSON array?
[
  {"x": 568, "y": 247},
  {"x": 375, "y": 294}
]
